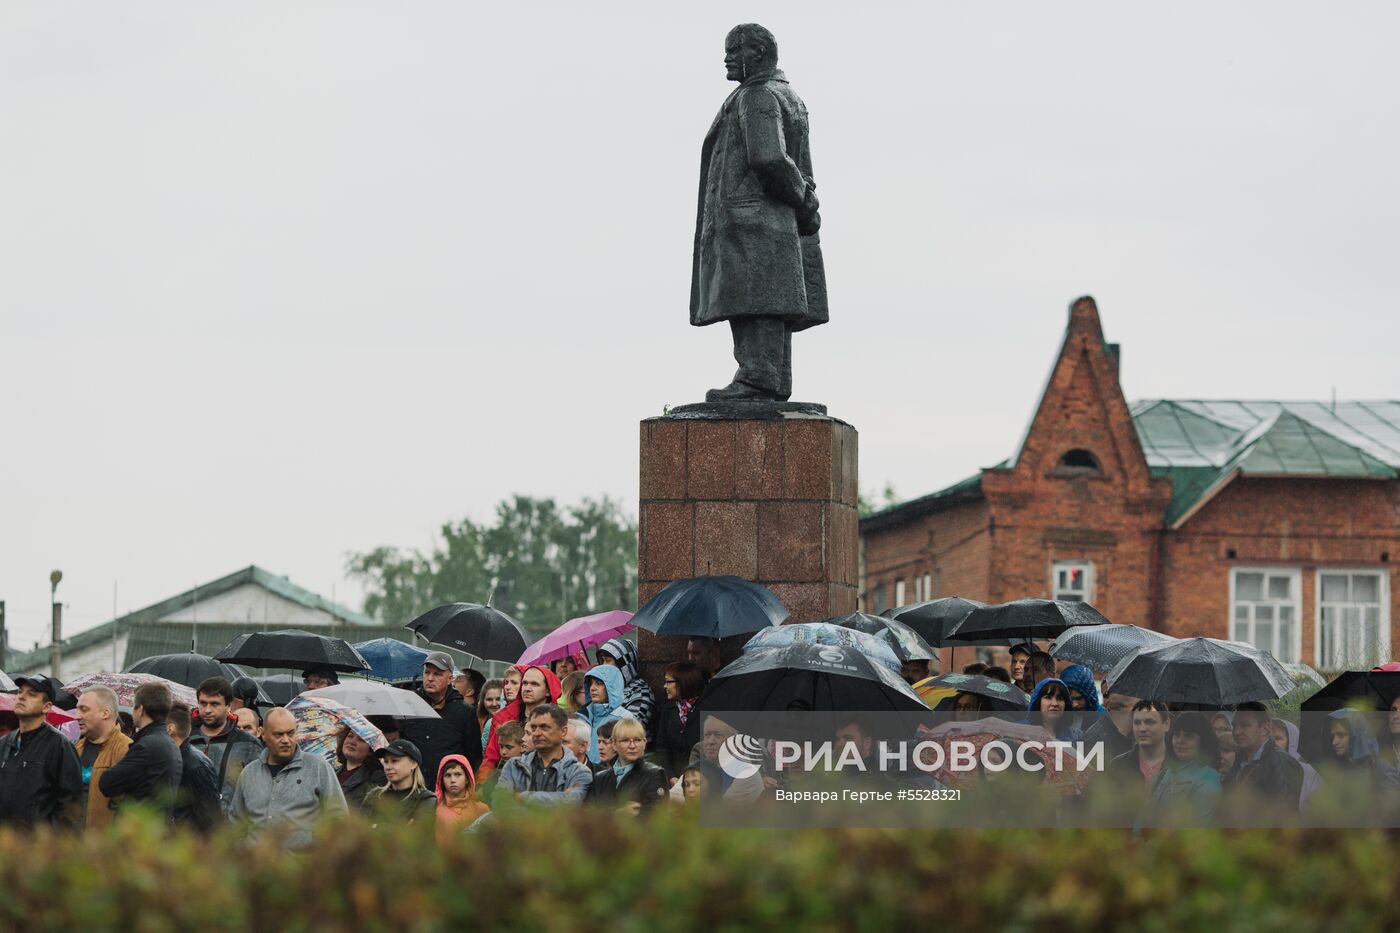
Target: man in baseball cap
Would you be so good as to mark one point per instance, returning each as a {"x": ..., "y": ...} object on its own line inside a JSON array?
[
  {"x": 40, "y": 774},
  {"x": 456, "y": 732}
]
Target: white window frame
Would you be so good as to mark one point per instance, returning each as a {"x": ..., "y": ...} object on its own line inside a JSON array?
[
  {"x": 1293, "y": 573},
  {"x": 928, "y": 586},
  {"x": 1383, "y": 594},
  {"x": 1089, "y": 577},
  {"x": 899, "y": 593}
]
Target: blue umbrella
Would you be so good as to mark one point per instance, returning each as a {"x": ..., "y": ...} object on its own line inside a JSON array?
[
  {"x": 391, "y": 659},
  {"x": 710, "y": 607}
]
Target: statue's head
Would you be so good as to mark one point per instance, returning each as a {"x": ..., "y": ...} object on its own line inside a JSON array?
[{"x": 749, "y": 49}]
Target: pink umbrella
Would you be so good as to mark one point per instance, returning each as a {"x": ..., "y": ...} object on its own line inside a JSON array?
[
  {"x": 577, "y": 634},
  {"x": 124, "y": 686},
  {"x": 56, "y": 717}
]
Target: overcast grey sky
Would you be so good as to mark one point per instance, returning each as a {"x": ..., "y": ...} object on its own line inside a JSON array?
[{"x": 283, "y": 281}]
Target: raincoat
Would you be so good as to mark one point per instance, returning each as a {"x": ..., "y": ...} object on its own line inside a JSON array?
[
  {"x": 1067, "y": 729},
  {"x": 455, "y": 815},
  {"x": 514, "y": 710},
  {"x": 1311, "y": 780},
  {"x": 637, "y": 695},
  {"x": 611, "y": 709},
  {"x": 1080, "y": 679}
]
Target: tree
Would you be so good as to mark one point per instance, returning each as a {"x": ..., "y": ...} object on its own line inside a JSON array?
[{"x": 537, "y": 563}]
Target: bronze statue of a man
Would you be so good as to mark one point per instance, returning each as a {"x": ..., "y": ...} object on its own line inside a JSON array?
[{"x": 757, "y": 262}]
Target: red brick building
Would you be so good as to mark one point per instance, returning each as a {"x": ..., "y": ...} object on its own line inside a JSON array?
[{"x": 1268, "y": 522}]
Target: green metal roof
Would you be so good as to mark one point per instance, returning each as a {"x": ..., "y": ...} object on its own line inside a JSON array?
[
  {"x": 281, "y": 586},
  {"x": 1203, "y": 445}
]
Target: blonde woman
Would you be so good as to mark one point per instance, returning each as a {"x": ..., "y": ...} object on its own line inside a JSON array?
[
  {"x": 632, "y": 785},
  {"x": 404, "y": 798}
]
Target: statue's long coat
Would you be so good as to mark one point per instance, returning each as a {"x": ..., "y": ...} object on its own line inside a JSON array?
[{"x": 755, "y": 169}]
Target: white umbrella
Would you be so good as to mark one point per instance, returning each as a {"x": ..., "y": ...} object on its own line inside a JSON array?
[{"x": 372, "y": 698}]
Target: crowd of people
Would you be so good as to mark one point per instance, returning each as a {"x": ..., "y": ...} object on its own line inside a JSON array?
[
  {"x": 524, "y": 739},
  {"x": 578, "y": 733}
]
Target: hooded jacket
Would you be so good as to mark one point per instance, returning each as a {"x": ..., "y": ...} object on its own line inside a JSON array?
[
  {"x": 452, "y": 817},
  {"x": 1080, "y": 679},
  {"x": 611, "y": 709},
  {"x": 454, "y": 732},
  {"x": 1068, "y": 730},
  {"x": 1362, "y": 747},
  {"x": 515, "y": 710},
  {"x": 1311, "y": 779},
  {"x": 637, "y": 695}
]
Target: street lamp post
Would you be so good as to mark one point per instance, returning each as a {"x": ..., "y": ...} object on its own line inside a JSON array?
[{"x": 55, "y": 649}]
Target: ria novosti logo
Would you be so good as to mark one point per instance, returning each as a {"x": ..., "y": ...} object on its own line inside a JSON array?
[{"x": 740, "y": 756}]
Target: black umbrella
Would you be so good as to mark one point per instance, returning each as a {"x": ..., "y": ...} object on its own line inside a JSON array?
[
  {"x": 279, "y": 688},
  {"x": 907, "y": 644},
  {"x": 65, "y": 699},
  {"x": 1371, "y": 689},
  {"x": 933, "y": 619},
  {"x": 292, "y": 648},
  {"x": 1100, "y": 647},
  {"x": 1206, "y": 671},
  {"x": 1000, "y": 696},
  {"x": 1024, "y": 619},
  {"x": 191, "y": 669},
  {"x": 816, "y": 677},
  {"x": 6, "y": 684},
  {"x": 480, "y": 631},
  {"x": 710, "y": 607}
]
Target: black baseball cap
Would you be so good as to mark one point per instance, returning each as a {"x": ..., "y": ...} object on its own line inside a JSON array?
[
  {"x": 42, "y": 683},
  {"x": 403, "y": 748}
]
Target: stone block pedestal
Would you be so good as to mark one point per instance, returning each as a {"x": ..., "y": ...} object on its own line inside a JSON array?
[{"x": 766, "y": 492}]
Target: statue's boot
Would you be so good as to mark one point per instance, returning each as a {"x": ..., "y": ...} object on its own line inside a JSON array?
[{"x": 738, "y": 391}]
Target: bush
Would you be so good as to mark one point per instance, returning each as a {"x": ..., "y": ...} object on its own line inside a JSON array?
[{"x": 591, "y": 870}]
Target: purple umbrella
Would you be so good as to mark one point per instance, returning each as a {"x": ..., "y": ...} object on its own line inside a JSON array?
[{"x": 576, "y": 634}]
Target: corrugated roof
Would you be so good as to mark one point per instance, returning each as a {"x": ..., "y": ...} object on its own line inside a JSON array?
[{"x": 1203, "y": 445}]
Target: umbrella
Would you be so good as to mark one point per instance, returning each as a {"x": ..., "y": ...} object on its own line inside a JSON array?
[
  {"x": 907, "y": 644},
  {"x": 819, "y": 677},
  {"x": 978, "y": 733},
  {"x": 55, "y": 717},
  {"x": 1206, "y": 671},
  {"x": 822, "y": 633},
  {"x": 933, "y": 619},
  {"x": 481, "y": 631},
  {"x": 1024, "y": 619},
  {"x": 578, "y": 634},
  {"x": 1368, "y": 689},
  {"x": 6, "y": 684},
  {"x": 1000, "y": 695},
  {"x": 391, "y": 659},
  {"x": 124, "y": 686},
  {"x": 292, "y": 648},
  {"x": 319, "y": 721},
  {"x": 189, "y": 668},
  {"x": 1100, "y": 647},
  {"x": 280, "y": 688},
  {"x": 710, "y": 607},
  {"x": 372, "y": 698}
]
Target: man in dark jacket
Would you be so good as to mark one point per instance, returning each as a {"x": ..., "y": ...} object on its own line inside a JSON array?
[
  {"x": 1266, "y": 785},
  {"x": 228, "y": 748},
  {"x": 757, "y": 259},
  {"x": 40, "y": 775},
  {"x": 199, "y": 783},
  {"x": 456, "y": 732},
  {"x": 151, "y": 769}
]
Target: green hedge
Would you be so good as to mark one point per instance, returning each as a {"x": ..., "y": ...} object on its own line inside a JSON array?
[{"x": 591, "y": 870}]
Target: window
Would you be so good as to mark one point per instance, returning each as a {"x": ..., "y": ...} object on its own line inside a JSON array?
[
  {"x": 1353, "y": 625},
  {"x": 878, "y": 597},
  {"x": 1072, "y": 581},
  {"x": 1078, "y": 462},
  {"x": 928, "y": 586},
  {"x": 899, "y": 592},
  {"x": 1264, "y": 610}
]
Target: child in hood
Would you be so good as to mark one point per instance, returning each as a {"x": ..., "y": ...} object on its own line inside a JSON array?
[
  {"x": 457, "y": 805},
  {"x": 605, "y": 698}
]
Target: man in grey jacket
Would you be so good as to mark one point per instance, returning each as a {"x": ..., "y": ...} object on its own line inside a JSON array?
[
  {"x": 547, "y": 775},
  {"x": 286, "y": 785}
]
